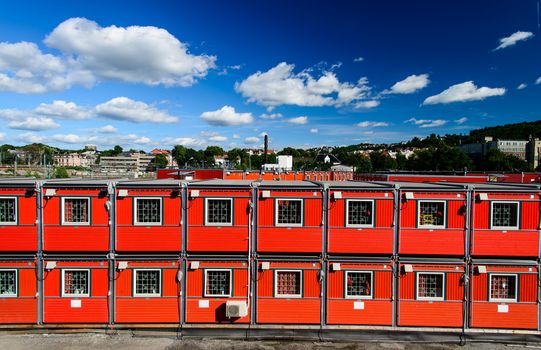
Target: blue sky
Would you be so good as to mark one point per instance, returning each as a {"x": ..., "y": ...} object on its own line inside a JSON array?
[{"x": 309, "y": 73}]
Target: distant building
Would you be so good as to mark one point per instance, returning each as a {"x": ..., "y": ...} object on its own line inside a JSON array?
[
  {"x": 170, "y": 160},
  {"x": 283, "y": 163},
  {"x": 85, "y": 159},
  {"x": 125, "y": 165},
  {"x": 534, "y": 152},
  {"x": 327, "y": 158},
  {"x": 517, "y": 148}
]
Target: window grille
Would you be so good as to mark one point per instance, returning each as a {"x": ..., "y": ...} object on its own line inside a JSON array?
[
  {"x": 218, "y": 283},
  {"x": 504, "y": 214},
  {"x": 289, "y": 212},
  {"x": 76, "y": 210},
  {"x": 430, "y": 285},
  {"x": 7, "y": 210},
  {"x": 503, "y": 287},
  {"x": 360, "y": 212},
  {"x": 149, "y": 210},
  {"x": 431, "y": 213},
  {"x": 358, "y": 284},
  {"x": 76, "y": 282},
  {"x": 288, "y": 283},
  {"x": 8, "y": 283},
  {"x": 219, "y": 211},
  {"x": 147, "y": 282}
]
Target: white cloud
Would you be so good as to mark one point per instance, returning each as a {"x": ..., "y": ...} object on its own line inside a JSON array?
[
  {"x": 281, "y": 86},
  {"x": 106, "y": 129},
  {"x": 367, "y": 104},
  {"x": 251, "y": 140},
  {"x": 461, "y": 120},
  {"x": 136, "y": 54},
  {"x": 123, "y": 108},
  {"x": 29, "y": 137},
  {"x": 135, "y": 139},
  {"x": 2, "y": 136},
  {"x": 464, "y": 92},
  {"x": 358, "y": 59},
  {"x": 298, "y": 120},
  {"x": 409, "y": 85},
  {"x": 63, "y": 110},
  {"x": 522, "y": 86},
  {"x": 236, "y": 136},
  {"x": 512, "y": 39},
  {"x": 427, "y": 123},
  {"x": 538, "y": 81},
  {"x": 34, "y": 124},
  {"x": 72, "y": 138},
  {"x": 263, "y": 134},
  {"x": 371, "y": 124},
  {"x": 218, "y": 138},
  {"x": 270, "y": 116},
  {"x": 227, "y": 116},
  {"x": 314, "y": 130},
  {"x": 183, "y": 141}
]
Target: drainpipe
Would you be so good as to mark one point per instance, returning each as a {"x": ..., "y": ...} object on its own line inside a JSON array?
[
  {"x": 467, "y": 256},
  {"x": 183, "y": 256},
  {"x": 539, "y": 268},
  {"x": 39, "y": 255},
  {"x": 252, "y": 252},
  {"x": 396, "y": 273},
  {"x": 111, "y": 191},
  {"x": 324, "y": 257}
]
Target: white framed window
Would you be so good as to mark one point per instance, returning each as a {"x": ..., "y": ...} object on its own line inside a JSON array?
[
  {"x": 147, "y": 211},
  {"x": 503, "y": 287},
  {"x": 288, "y": 283},
  {"x": 431, "y": 214},
  {"x": 289, "y": 212},
  {"x": 358, "y": 284},
  {"x": 75, "y": 211},
  {"x": 359, "y": 213},
  {"x": 8, "y": 283},
  {"x": 8, "y": 210},
  {"x": 504, "y": 215},
  {"x": 75, "y": 282},
  {"x": 218, "y": 282},
  {"x": 147, "y": 282},
  {"x": 219, "y": 211},
  {"x": 430, "y": 285}
]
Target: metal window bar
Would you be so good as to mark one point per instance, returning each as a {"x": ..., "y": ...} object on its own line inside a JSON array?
[
  {"x": 7, "y": 209},
  {"x": 430, "y": 285},
  {"x": 219, "y": 211},
  {"x": 359, "y": 213},
  {"x": 359, "y": 284},
  {"x": 431, "y": 213},
  {"x": 502, "y": 287},
  {"x": 288, "y": 283},
  {"x": 75, "y": 210},
  {"x": 7, "y": 283},
  {"x": 148, "y": 210},
  {"x": 218, "y": 283},
  {"x": 147, "y": 282},
  {"x": 289, "y": 212},
  {"x": 504, "y": 214},
  {"x": 76, "y": 282}
]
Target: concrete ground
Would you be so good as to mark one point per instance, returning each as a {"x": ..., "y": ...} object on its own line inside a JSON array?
[{"x": 129, "y": 342}]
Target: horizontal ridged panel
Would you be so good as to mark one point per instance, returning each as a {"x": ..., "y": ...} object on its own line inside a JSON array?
[
  {"x": 431, "y": 314},
  {"x": 18, "y": 238},
  {"x": 210, "y": 239},
  {"x": 510, "y": 243},
  {"x": 18, "y": 310},
  {"x": 214, "y": 313},
  {"x": 362, "y": 241},
  {"x": 290, "y": 240},
  {"x": 149, "y": 238},
  {"x": 59, "y": 310},
  {"x": 147, "y": 310},
  {"x": 375, "y": 312},
  {"x": 76, "y": 238},
  {"x": 442, "y": 242},
  {"x": 520, "y": 316},
  {"x": 295, "y": 311}
]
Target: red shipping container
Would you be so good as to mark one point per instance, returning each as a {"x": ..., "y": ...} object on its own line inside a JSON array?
[
  {"x": 211, "y": 285},
  {"x": 288, "y": 292},
  {"x": 76, "y": 292},
  {"x": 504, "y": 297},
  {"x": 18, "y": 225},
  {"x": 431, "y": 295},
  {"x": 18, "y": 299},
  {"x": 147, "y": 292},
  {"x": 75, "y": 216},
  {"x": 359, "y": 293}
]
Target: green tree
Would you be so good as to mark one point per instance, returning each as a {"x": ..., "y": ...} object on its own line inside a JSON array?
[
  {"x": 382, "y": 161},
  {"x": 160, "y": 161},
  {"x": 496, "y": 160},
  {"x": 179, "y": 153},
  {"x": 61, "y": 173}
]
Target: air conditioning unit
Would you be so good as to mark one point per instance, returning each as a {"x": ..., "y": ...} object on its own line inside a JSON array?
[{"x": 235, "y": 309}]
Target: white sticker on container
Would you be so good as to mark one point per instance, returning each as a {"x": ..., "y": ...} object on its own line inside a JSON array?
[
  {"x": 503, "y": 308},
  {"x": 75, "y": 303},
  {"x": 358, "y": 305},
  {"x": 203, "y": 304}
]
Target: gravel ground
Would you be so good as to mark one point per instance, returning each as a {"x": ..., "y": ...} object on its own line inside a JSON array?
[{"x": 129, "y": 342}]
